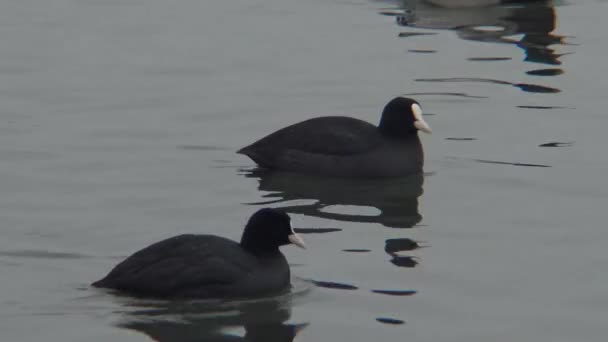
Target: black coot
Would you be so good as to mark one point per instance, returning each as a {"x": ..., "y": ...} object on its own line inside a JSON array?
[
  {"x": 208, "y": 266},
  {"x": 348, "y": 147}
]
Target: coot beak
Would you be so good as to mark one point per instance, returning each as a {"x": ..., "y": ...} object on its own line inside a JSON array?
[
  {"x": 297, "y": 240},
  {"x": 419, "y": 122},
  {"x": 423, "y": 126}
]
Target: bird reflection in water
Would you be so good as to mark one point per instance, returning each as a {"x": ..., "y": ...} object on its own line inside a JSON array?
[
  {"x": 394, "y": 248},
  {"x": 192, "y": 322},
  {"x": 395, "y": 198},
  {"x": 534, "y": 22}
]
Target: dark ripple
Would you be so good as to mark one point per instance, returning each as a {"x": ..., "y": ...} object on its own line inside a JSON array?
[
  {"x": 422, "y": 51},
  {"x": 415, "y": 34},
  {"x": 43, "y": 254},
  {"x": 489, "y": 59},
  {"x": 447, "y": 94},
  {"x": 461, "y": 139},
  {"x": 535, "y": 88},
  {"x": 391, "y": 321},
  {"x": 543, "y": 107},
  {"x": 357, "y": 250},
  {"x": 463, "y": 79},
  {"x": 396, "y": 292},
  {"x": 201, "y": 147},
  {"x": 316, "y": 230},
  {"x": 545, "y": 72},
  {"x": 509, "y": 163},
  {"x": 556, "y": 144},
  {"x": 334, "y": 285},
  {"x": 530, "y": 88}
]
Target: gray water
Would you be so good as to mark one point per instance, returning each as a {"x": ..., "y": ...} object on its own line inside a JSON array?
[{"x": 118, "y": 126}]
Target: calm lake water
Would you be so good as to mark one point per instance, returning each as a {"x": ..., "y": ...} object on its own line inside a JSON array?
[{"x": 118, "y": 126}]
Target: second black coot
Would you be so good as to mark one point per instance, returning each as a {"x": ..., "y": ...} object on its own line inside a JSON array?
[
  {"x": 348, "y": 147},
  {"x": 209, "y": 266}
]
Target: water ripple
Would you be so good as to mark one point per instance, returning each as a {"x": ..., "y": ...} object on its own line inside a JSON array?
[
  {"x": 334, "y": 285},
  {"x": 388, "y": 320},
  {"x": 43, "y": 254},
  {"x": 527, "y": 87},
  {"x": 398, "y": 293},
  {"x": 557, "y": 144}
]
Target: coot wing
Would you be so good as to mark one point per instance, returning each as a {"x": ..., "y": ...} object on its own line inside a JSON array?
[
  {"x": 330, "y": 135},
  {"x": 179, "y": 265}
]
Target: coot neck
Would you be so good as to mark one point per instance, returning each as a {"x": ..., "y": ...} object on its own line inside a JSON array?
[
  {"x": 400, "y": 134},
  {"x": 397, "y": 126},
  {"x": 258, "y": 245}
]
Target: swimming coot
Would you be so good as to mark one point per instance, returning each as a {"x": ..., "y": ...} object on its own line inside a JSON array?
[
  {"x": 208, "y": 266},
  {"x": 348, "y": 147}
]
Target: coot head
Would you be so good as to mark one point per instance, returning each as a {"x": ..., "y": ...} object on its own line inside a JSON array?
[
  {"x": 402, "y": 118},
  {"x": 268, "y": 229}
]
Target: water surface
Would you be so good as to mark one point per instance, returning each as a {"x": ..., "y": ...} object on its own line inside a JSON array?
[{"x": 118, "y": 126}]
